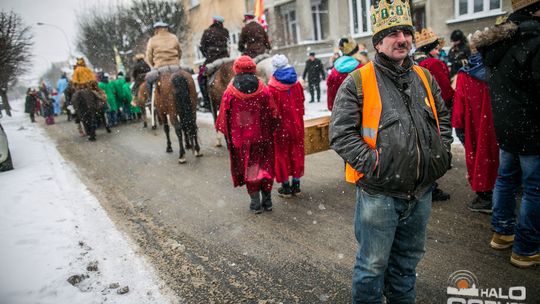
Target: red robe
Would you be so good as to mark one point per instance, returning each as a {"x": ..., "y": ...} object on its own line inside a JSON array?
[
  {"x": 333, "y": 82},
  {"x": 289, "y": 134},
  {"x": 440, "y": 72},
  {"x": 472, "y": 113},
  {"x": 247, "y": 121}
]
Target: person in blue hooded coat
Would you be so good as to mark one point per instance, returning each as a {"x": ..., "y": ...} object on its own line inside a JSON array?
[{"x": 288, "y": 95}]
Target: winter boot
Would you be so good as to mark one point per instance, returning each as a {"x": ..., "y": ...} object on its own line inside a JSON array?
[
  {"x": 267, "y": 200},
  {"x": 285, "y": 190},
  {"x": 296, "y": 187},
  {"x": 255, "y": 204}
]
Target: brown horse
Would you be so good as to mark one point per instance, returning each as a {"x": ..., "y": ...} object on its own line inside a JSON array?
[
  {"x": 175, "y": 100},
  {"x": 220, "y": 79}
]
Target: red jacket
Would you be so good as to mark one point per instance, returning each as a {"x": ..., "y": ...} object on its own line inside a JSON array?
[
  {"x": 248, "y": 121},
  {"x": 472, "y": 113},
  {"x": 440, "y": 71},
  {"x": 333, "y": 82},
  {"x": 289, "y": 134}
]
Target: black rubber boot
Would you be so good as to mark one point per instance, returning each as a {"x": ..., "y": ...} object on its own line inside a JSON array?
[
  {"x": 267, "y": 200},
  {"x": 295, "y": 189},
  {"x": 285, "y": 190},
  {"x": 255, "y": 204}
]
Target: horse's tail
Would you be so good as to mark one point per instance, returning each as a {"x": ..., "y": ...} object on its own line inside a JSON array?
[{"x": 183, "y": 105}]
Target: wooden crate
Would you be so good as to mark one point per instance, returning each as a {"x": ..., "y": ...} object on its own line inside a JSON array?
[{"x": 316, "y": 135}]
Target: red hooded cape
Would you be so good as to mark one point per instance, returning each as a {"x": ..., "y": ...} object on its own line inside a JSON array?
[
  {"x": 440, "y": 71},
  {"x": 247, "y": 121},
  {"x": 333, "y": 82},
  {"x": 472, "y": 113},
  {"x": 289, "y": 134}
]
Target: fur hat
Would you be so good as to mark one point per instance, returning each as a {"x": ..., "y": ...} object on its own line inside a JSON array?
[
  {"x": 244, "y": 64},
  {"x": 520, "y": 4},
  {"x": 279, "y": 61},
  {"x": 348, "y": 46},
  {"x": 249, "y": 16},
  {"x": 218, "y": 19},
  {"x": 160, "y": 24}
]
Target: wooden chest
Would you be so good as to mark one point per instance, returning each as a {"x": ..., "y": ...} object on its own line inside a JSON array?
[{"x": 316, "y": 135}]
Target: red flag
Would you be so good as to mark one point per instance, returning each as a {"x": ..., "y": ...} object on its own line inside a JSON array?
[{"x": 259, "y": 13}]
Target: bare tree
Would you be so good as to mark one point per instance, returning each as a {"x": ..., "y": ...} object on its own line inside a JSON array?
[
  {"x": 15, "y": 44},
  {"x": 125, "y": 27}
]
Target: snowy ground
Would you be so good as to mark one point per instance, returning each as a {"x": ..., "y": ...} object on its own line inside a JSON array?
[{"x": 52, "y": 228}]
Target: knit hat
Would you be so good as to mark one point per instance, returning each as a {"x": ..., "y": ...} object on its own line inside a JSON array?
[
  {"x": 279, "y": 61},
  {"x": 244, "y": 64},
  {"x": 520, "y": 4},
  {"x": 348, "y": 46}
]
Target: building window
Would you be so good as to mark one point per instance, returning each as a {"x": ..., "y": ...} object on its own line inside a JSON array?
[
  {"x": 472, "y": 8},
  {"x": 319, "y": 13},
  {"x": 290, "y": 25},
  {"x": 359, "y": 12}
]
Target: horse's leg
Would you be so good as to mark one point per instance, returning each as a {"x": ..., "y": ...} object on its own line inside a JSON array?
[
  {"x": 188, "y": 141},
  {"x": 197, "y": 148},
  {"x": 178, "y": 130},
  {"x": 215, "y": 110},
  {"x": 166, "y": 129},
  {"x": 105, "y": 120}
]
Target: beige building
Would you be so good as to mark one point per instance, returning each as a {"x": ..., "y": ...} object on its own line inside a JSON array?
[{"x": 297, "y": 27}]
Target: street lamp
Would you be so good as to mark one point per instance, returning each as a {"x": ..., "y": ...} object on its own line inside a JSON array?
[{"x": 64, "y": 33}]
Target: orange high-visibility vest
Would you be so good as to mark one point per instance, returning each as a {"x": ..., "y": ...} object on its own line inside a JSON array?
[{"x": 372, "y": 108}]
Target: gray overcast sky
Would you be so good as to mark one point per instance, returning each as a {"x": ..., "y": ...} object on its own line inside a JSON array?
[{"x": 49, "y": 42}]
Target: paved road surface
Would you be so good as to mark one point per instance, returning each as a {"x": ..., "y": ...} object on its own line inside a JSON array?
[{"x": 197, "y": 229}]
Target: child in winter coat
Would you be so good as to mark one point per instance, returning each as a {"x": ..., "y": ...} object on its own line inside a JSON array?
[
  {"x": 288, "y": 95},
  {"x": 246, "y": 118}
]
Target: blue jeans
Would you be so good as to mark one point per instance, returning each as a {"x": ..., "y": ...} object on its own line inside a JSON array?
[
  {"x": 515, "y": 171},
  {"x": 391, "y": 235}
]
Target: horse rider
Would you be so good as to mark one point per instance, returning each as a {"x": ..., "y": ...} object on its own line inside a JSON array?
[
  {"x": 253, "y": 39},
  {"x": 214, "y": 45},
  {"x": 162, "y": 54}
]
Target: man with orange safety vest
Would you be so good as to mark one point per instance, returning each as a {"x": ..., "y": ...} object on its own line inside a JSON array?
[{"x": 390, "y": 125}]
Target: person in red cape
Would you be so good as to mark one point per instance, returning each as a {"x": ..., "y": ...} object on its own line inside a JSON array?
[
  {"x": 426, "y": 55},
  {"x": 473, "y": 120},
  {"x": 247, "y": 118},
  {"x": 288, "y": 95},
  {"x": 345, "y": 64}
]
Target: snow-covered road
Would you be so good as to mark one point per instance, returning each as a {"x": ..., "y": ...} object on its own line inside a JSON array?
[{"x": 52, "y": 228}]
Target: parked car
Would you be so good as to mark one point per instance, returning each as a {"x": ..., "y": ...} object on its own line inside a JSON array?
[{"x": 5, "y": 156}]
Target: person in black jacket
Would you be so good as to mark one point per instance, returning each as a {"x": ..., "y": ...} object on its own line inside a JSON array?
[
  {"x": 138, "y": 72},
  {"x": 390, "y": 125},
  {"x": 30, "y": 104},
  {"x": 214, "y": 45},
  {"x": 459, "y": 53},
  {"x": 511, "y": 53},
  {"x": 315, "y": 72}
]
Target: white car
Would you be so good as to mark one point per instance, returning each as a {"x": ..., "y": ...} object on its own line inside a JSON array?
[{"x": 5, "y": 157}]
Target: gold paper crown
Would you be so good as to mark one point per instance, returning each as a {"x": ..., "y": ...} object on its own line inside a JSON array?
[
  {"x": 519, "y": 4},
  {"x": 388, "y": 15},
  {"x": 425, "y": 37}
]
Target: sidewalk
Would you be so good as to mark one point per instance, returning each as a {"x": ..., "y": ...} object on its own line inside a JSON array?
[{"x": 52, "y": 228}]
